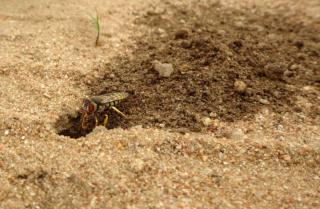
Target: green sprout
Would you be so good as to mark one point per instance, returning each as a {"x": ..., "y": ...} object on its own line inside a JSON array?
[{"x": 96, "y": 22}]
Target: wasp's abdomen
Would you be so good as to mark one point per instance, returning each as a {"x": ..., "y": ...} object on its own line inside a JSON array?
[
  {"x": 107, "y": 101},
  {"x": 113, "y": 103}
]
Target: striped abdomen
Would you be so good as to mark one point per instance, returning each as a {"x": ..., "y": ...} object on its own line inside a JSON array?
[{"x": 106, "y": 101}]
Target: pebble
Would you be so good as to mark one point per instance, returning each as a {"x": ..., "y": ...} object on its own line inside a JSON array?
[
  {"x": 274, "y": 71},
  {"x": 272, "y": 36},
  {"x": 206, "y": 121},
  {"x": 47, "y": 95},
  {"x": 213, "y": 115},
  {"x": 240, "y": 87},
  {"x": 288, "y": 73},
  {"x": 6, "y": 132},
  {"x": 181, "y": 34},
  {"x": 186, "y": 44},
  {"x": 303, "y": 102},
  {"x": 221, "y": 156},
  {"x": 160, "y": 30},
  {"x": 276, "y": 94},
  {"x": 236, "y": 134},
  {"x": 138, "y": 127},
  {"x": 221, "y": 32},
  {"x": 239, "y": 24},
  {"x": 264, "y": 101},
  {"x": 299, "y": 44},
  {"x": 286, "y": 158},
  {"x": 137, "y": 165},
  {"x": 301, "y": 56},
  {"x": 280, "y": 127},
  {"x": 249, "y": 92},
  {"x": 257, "y": 28},
  {"x": 308, "y": 88},
  {"x": 229, "y": 53},
  {"x": 164, "y": 69},
  {"x": 294, "y": 67},
  {"x": 204, "y": 158}
]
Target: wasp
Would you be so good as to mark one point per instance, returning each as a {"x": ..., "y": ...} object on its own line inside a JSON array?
[{"x": 99, "y": 104}]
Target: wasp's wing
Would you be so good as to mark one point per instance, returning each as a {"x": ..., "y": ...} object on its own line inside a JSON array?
[{"x": 111, "y": 97}]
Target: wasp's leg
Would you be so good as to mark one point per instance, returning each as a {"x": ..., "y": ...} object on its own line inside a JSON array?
[
  {"x": 83, "y": 121},
  {"x": 96, "y": 121},
  {"x": 106, "y": 120},
  {"x": 119, "y": 112}
]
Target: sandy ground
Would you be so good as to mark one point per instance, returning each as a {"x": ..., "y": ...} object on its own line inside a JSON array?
[{"x": 48, "y": 63}]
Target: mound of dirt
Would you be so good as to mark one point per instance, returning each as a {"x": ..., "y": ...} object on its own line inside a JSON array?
[{"x": 211, "y": 51}]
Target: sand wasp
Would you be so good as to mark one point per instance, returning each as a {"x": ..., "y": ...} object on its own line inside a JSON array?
[{"x": 99, "y": 104}]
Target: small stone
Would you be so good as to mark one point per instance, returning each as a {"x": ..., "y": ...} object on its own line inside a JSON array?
[
  {"x": 240, "y": 87},
  {"x": 156, "y": 11},
  {"x": 286, "y": 158},
  {"x": 280, "y": 127},
  {"x": 160, "y": 30},
  {"x": 308, "y": 88},
  {"x": 221, "y": 156},
  {"x": 112, "y": 75},
  {"x": 47, "y": 95},
  {"x": 236, "y": 134},
  {"x": 6, "y": 132},
  {"x": 162, "y": 125},
  {"x": 239, "y": 24},
  {"x": 23, "y": 137},
  {"x": 276, "y": 94},
  {"x": 294, "y": 67},
  {"x": 272, "y": 36},
  {"x": 186, "y": 44},
  {"x": 204, "y": 158},
  {"x": 288, "y": 73},
  {"x": 303, "y": 103},
  {"x": 164, "y": 69},
  {"x": 89, "y": 82},
  {"x": 229, "y": 53},
  {"x": 181, "y": 34},
  {"x": 206, "y": 121},
  {"x": 299, "y": 44},
  {"x": 257, "y": 28},
  {"x": 249, "y": 92},
  {"x": 138, "y": 127},
  {"x": 291, "y": 88},
  {"x": 301, "y": 56},
  {"x": 137, "y": 165},
  {"x": 221, "y": 32},
  {"x": 264, "y": 101},
  {"x": 184, "y": 68},
  {"x": 274, "y": 71},
  {"x": 213, "y": 115}
]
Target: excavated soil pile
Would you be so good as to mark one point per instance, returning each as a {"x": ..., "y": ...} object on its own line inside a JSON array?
[{"x": 226, "y": 64}]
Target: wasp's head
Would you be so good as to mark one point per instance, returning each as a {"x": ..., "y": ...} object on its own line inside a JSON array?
[{"x": 88, "y": 106}]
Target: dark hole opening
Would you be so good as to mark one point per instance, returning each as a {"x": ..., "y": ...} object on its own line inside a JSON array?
[{"x": 73, "y": 129}]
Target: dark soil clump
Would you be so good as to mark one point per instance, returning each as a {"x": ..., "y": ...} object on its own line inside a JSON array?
[{"x": 209, "y": 53}]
